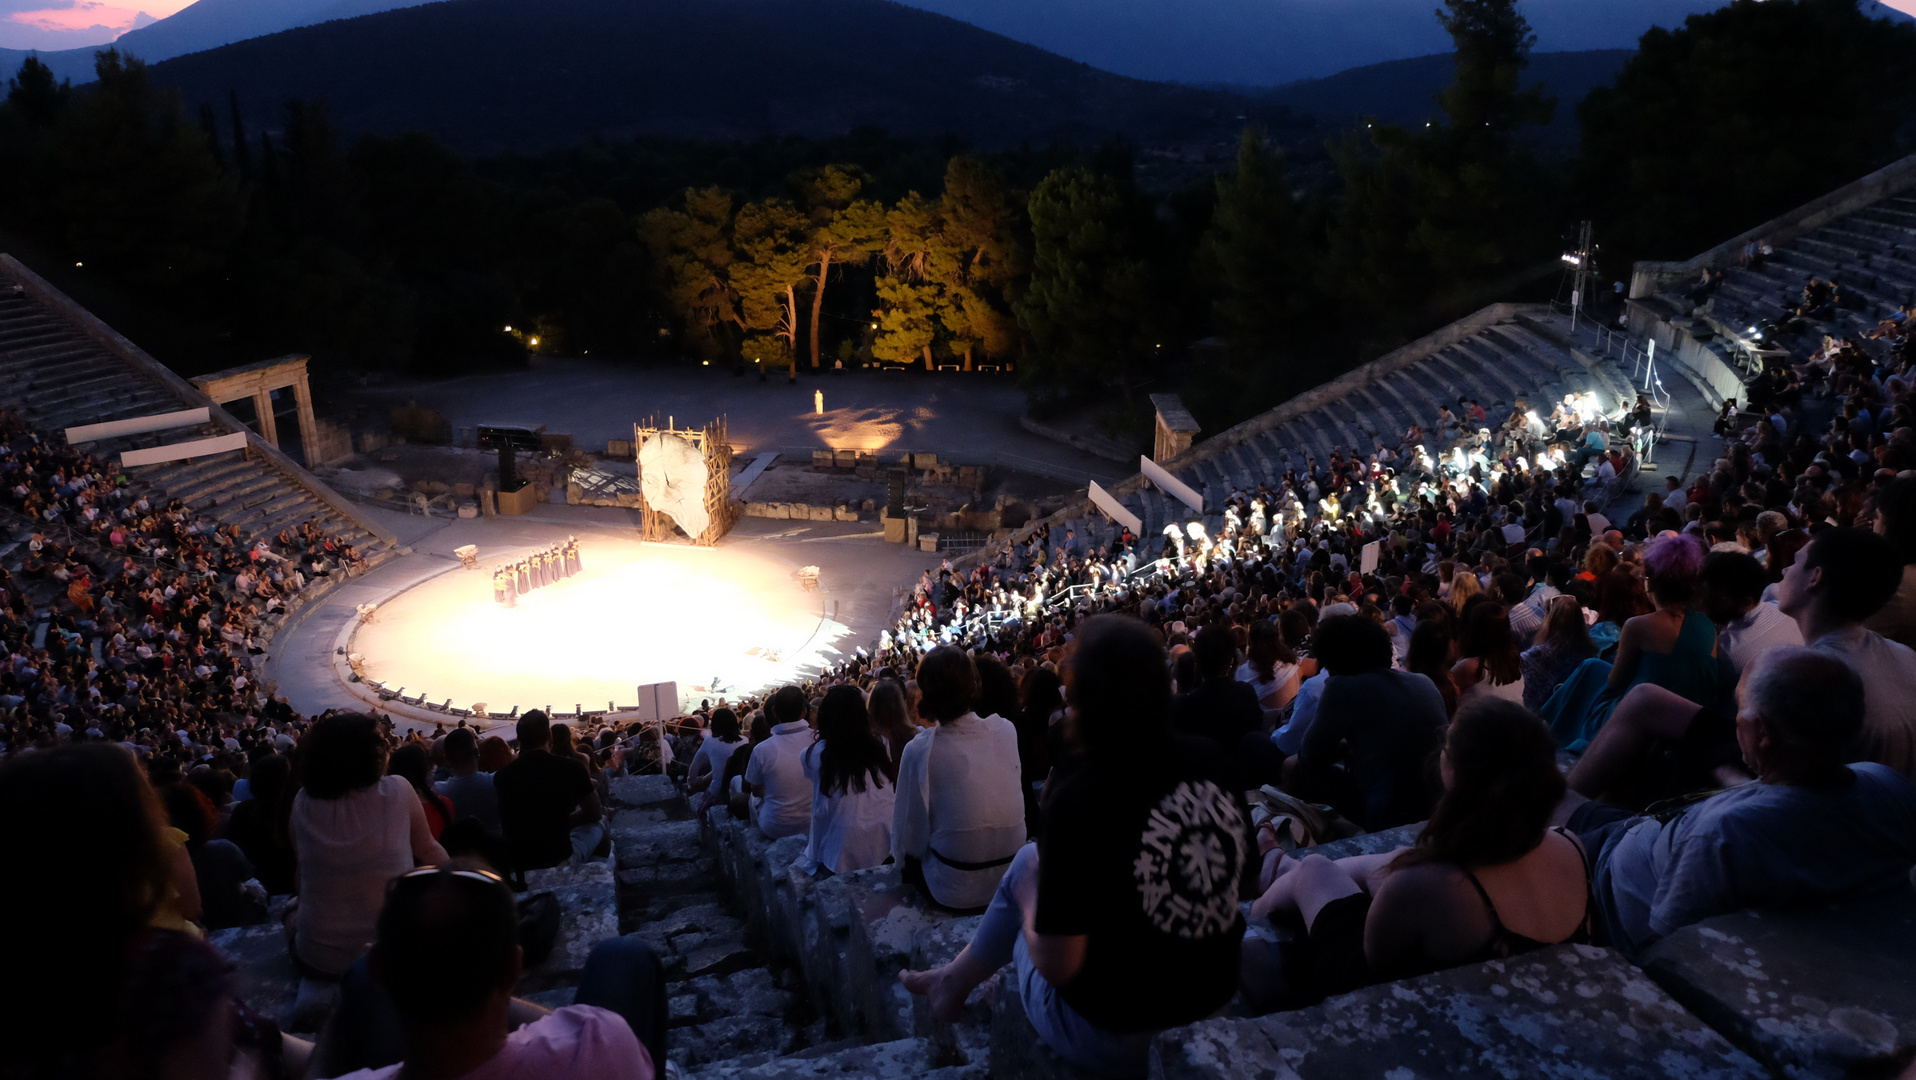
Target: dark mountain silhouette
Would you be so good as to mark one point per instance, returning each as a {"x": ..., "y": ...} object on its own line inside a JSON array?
[
  {"x": 1404, "y": 91},
  {"x": 205, "y": 24},
  {"x": 494, "y": 75}
]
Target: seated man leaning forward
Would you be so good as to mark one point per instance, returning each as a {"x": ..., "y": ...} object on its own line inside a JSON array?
[
  {"x": 1810, "y": 829},
  {"x": 1129, "y": 922},
  {"x": 433, "y": 1000}
]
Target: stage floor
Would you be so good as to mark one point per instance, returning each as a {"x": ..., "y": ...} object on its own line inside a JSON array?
[{"x": 721, "y": 622}]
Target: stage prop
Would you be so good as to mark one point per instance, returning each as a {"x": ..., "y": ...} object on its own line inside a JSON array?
[
  {"x": 684, "y": 481},
  {"x": 659, "y": 701},
  {"x": 515, "y": 495},
  {"x": 1169, "y": 484},
  {"x": 1111, "y": 506}
]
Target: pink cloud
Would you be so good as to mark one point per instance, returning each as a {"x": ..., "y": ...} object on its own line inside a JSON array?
[{"x": 94, "y": 20}]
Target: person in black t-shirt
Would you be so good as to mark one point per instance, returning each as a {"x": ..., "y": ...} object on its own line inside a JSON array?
[
  {"x": 548, "y": 805},
  {"x": 1129, "y": 922},
  {"x": 1220, "y": 709}
]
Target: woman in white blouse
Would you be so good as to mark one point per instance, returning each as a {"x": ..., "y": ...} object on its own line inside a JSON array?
[
  {"x": 852, "y": 788},
  {"x": 354, "y": 829},
  {"x": 959, "y": 815}
]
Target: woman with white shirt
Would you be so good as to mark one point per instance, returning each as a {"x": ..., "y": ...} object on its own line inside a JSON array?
[
  {"x": 853, "y": 794},
  {"x": 1272, "y": 669},
  {"x": 959, "y": 815},
  {"x": 354, "y": 829},
  {"x": 708, "y": 764}
]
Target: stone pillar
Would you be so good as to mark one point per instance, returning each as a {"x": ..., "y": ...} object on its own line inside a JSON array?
[
  {"x": 1175, "y": 427},
  {"x": 268, "y": 427},
  {"x": 308, "y": 424}
]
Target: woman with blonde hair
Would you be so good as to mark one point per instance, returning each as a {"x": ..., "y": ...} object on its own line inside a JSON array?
[{"x": 1463, "y": 586}]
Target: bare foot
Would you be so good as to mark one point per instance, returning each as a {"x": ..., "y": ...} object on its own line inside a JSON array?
[{"x": 941, "y": 989}]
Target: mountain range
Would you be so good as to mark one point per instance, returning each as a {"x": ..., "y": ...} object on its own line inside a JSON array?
[
  {"x": 1246, "y": 42},
  {"x": 488, "y": 76}
]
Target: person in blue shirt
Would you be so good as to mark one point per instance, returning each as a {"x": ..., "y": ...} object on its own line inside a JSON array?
[{"x": 1810, "y": 829}]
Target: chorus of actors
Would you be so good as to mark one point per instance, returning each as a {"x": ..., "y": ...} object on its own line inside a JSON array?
[{"x": 547, "y": 566}]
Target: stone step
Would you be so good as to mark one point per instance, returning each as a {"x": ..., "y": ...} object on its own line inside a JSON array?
[
  {"x": 914, "y": 1057},
  {"x": 1568, "y": 1010},
  {"x": 1818, "y": 993}
]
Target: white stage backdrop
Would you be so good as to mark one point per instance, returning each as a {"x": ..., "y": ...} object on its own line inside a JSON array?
[{"x": 672, "y": 476}]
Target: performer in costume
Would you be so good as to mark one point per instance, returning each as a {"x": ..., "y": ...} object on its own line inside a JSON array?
[
  {"x": 498, "y": 587},
  {"x": 524, "y": 574}
]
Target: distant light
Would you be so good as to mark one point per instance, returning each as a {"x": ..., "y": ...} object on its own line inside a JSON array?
[
  {"x": 705, "y": 363},
  {"x": 77, "y": 265},
  {"x": 508, "y": 329},
  {"x": 535, "y": 341},
  {"x": 1573, "y": 260}
]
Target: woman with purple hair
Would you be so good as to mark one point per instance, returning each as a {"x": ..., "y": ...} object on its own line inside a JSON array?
[{"x": 1673, "y": 647}]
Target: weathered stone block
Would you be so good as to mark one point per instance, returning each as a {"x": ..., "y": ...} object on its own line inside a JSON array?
[
  {"x": 589, "y": 913},
  {"x": 1569, "y": 1010},
  {"x": 639, "y": 792},
  {"x": 750, "y": 992},
  {"x": 263, "y": 975},
  {"x": 682, "y": 1009},
  {"x": 818, "y": 513},
  {"x": 652, "y": 843},
  {"x": 844, "y": 513},
  {"x": 730, "y": 1037},
  {"x": 901, "y": 1058},
  {"x": 1823, "y": 993},
  {"x": 1368, "y": 844},
  {"x": 721, "y": 957}
]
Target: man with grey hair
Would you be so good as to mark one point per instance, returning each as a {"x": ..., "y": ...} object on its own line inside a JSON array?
[{"x": 1810, "y": 829}]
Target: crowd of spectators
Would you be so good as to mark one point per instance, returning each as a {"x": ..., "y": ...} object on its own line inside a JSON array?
[
  {"x": 1102, "y": 749},
  {"x": 1725, "y": 676},
  {"x": 127, "y": 616}
]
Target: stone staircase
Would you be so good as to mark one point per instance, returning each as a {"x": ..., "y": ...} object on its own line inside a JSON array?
[{"x": 1871, "y": 252}]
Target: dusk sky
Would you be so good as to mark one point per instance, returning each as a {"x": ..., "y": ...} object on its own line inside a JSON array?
[
  {"x": 40, "y": 24},
  {"x": 67, "y": 24}
]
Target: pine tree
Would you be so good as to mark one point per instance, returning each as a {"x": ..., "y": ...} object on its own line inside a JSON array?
[
  {"x": 772, "y": 254},
  {"x": 692, "y": 257},
  {"x": 845, "y": 231}
]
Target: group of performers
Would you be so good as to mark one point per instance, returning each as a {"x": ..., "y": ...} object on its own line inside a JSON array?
[{"x": 547, "y": 567}]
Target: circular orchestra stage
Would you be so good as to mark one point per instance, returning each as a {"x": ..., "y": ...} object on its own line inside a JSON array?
[{"x": 718, "y": 621}]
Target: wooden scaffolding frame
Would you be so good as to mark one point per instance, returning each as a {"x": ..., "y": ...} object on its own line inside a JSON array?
[{"x": 721, "y": 512}]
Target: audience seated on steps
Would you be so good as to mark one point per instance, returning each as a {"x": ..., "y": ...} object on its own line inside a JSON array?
[
  {"x": 1372, "y": 732},
  {"x": 715, "y": 748},
  {"x": 853, "y": 789},
  {"x": 354, "y": 828},
  {"x": 470, "y": 791},
  {"x": 1808, "y": 830},
  {"x": 1221, "y": 708},
  {"x": 1129, "y": 921},
  {"x": 1673, "y": 646},
  {"x": 134, "y": 990},
  {"x": 959, "y": 817},
  {"x": 1896, "y": 521},
  {"x": 1840, "y": 579},
  {"x": 433, "y": 999},
  {"x": 548, "y": 805},
  {"x": 775, "y": 778},
  {"x": 1486, "y": 878}
]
